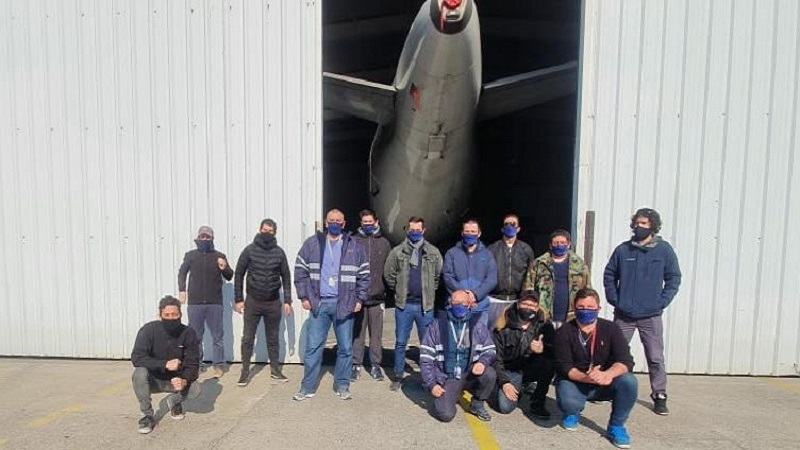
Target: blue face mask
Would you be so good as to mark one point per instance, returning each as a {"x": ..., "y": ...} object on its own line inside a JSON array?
[
  {"x": 469, "y": 239},
  {"x": 415, "y": 235},
  {"x": 368, "y": 229},
  {"x": 586, "y": 316},
  {"x": 335, "y": 228},
  {"x": 559, "y": 250},
  {"x": 509, "y": 230},
  {"x": 459, "y": 311}
]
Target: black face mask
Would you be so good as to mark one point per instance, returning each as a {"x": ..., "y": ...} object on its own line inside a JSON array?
[
  {"x": 641, "y": 233},
  {"x": 204, "y": 246},
  {"x": 172, "y": 326},
  {"x": 526, "y": 313}
]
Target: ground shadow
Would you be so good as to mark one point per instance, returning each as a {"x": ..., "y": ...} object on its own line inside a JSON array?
[{"x": 210, "y": 389}]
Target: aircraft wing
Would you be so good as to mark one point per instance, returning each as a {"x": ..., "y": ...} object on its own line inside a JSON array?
[
  {"x": 510, "y": 94},
  {"x": 360, "y": 98}
]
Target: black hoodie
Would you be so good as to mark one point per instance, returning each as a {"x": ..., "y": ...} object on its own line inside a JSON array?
[{"x": 267, "y": 270}]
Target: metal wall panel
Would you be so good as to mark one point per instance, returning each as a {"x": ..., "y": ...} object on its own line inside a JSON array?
[
  {"x": 691, "y": 107},
  {"x": 124, "y": 125}
]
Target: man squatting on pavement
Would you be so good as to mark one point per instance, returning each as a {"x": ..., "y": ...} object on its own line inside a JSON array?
[
  {"x": 166, "y": 357},
  {"x": 264, "y": 264}
]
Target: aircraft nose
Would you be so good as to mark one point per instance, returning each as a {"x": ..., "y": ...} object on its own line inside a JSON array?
[
  {"x": 452, "y": 4},
  {"x": 450, "y": 16}
]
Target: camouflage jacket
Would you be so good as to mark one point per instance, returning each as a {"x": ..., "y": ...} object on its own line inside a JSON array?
[{"x": 540, "y": 277}]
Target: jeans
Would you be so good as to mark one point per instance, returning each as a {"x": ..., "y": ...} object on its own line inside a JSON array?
[
  {"x": 404, "y": 320},
  {"x": 370, "y": 318},
  {"x": 318, "y": 326},
  {"x": 571, "y": 396},
  {"x": 254, "y": 312},
  {"x": 539, "y": 370},
  {"x": 199, "y": 316},
  {"x": 481, "y": 387},
  {"x": 144, "y": 384},
  {"x": 651, "y": 333}
]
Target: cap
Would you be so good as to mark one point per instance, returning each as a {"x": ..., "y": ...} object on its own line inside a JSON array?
[
  {"x": 529, "y": 294},
  {"x": 205, "y": 230}
]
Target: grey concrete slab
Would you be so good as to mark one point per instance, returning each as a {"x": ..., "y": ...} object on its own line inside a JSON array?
[{"x": 62, "y": 404}]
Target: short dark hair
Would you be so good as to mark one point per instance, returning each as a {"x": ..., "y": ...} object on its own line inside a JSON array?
[
  {"x": 471, "y": 220},
  {"x": 516, "y": 217},
  {"x": 270, "y": 223},
  {"x": 586, "y": 293},
  {"x": 529, "y": 294},
  {"x": 652, "y": 214},
  {"x": 168, "y": 300},
  {"x": 367, "y": 212},
  {"x": 415, "y": 219},
  {"x": 560, "y": 232}
]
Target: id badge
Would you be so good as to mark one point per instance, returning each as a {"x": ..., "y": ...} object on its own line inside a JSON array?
[
  {"x": 457, "y": 372},
  {"x": 332, "y": 281}
]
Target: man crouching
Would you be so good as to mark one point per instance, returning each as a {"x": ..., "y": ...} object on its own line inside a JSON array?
[
  {"x": 166, "y": 359},
  {"x": 457, "y": 353}
]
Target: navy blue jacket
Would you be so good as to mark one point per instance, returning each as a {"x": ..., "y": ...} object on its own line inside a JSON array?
[
  {"x": 641, "y": 281},
  {"x": 476, "y": 271}
]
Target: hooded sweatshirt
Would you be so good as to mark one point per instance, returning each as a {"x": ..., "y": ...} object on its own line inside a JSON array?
[
  {"x": 378, "y": 248},
  {"x": 267, "y": 270}
]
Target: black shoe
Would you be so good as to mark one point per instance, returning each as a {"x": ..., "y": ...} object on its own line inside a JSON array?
[
  {"x": 478, "y": 410},
  {"x": 539, "y": 411},
  {"x": 244, "y": 379},
  {"x": 660, "y": 404},
  {"x": 355, "y": 374},
  {"x": 175, "y": 410},
  {"x": 376, "y": 373},
  {"x": 276, "y": 374},
  {"x": 146, "y": 424}
]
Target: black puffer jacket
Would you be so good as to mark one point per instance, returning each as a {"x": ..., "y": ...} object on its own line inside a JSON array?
[
  {"x": 513, "y": 343},
  {"x": 267, "y": 270}
]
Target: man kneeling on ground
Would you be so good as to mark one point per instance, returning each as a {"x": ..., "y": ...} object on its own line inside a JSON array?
[
  {"x": 594, "y": 362},
  {"x": 166, "y": 359},
  {"x": 524, "y": 340},
  {"x": 457, "y": 353}
]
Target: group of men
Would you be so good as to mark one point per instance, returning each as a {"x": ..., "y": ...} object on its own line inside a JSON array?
[{"x": 511, "y": 322}]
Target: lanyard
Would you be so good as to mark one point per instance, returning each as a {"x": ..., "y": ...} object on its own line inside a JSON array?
[
  {"x": 459, "y": 339},
  {"x": 590, "y": 340}
]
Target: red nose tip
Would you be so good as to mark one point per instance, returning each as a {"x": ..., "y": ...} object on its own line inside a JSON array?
[{"x": 452, "y": 4}]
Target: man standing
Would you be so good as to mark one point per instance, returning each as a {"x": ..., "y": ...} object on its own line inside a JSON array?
[
  {"x": 331, "y": 275},
  {"x": 594, "y": 362},
  {"x": 264, "y": 263},
  {"x": 524, "y": 341},
  {"x": 470, "y": 266},
  {"x": 641, "y": 279},
  {"x": 558, "y": 275},
  {"x": 457, "y": 353},
  {"x": 512, "y": 257},
  {"x": 204, "y": 267},
  {"x": 371, "y": 315},
  {"x": 166, "y": 359},
  {"x": 412, "y": 271}
]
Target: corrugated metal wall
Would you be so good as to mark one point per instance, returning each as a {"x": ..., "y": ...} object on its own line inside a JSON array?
[
  {"x": 691, "y": 107},
  {"x": 124, "y": 125}
]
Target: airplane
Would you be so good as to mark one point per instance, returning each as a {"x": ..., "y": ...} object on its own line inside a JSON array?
[{"x": 422, "y": 159}]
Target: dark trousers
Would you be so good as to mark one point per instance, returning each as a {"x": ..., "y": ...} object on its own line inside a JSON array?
[
  {"x": 144, "y": 384},
  {"x": 199, "y": 316},
  {"x": 481, "y": 387},
  {"x": 369, "y": 318},
  {"x": 651, "y": 333},
  {"x": 539, "y": 370},
  {"x": 254, "y": 311}
]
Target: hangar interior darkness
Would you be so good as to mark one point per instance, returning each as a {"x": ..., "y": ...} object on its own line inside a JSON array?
[{"x": 526, "y": 159}]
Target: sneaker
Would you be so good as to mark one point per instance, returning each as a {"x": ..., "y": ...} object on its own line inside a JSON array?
[
  {"x": 539, "y": 411},
  {"x": 217, "y": 372},
  {"x": 396, "y": 385},
  {"x": 175, "y": 409},
  {"x": 244, "y": 378},
  {"x": 300, "y": 396},
  {"x": 570, "y": 422},
  {"x": 376, "y": 373},
  {"x": 660, "y": 404},
  {"x": 356, "y": 373},
  {"x": 146, "y": 424},
  {"x": 478, "y": 410},
  {"x": 618, "y": 436},
  {"x": 276, "y": 374},
  {"x": 344, "y": 394}
]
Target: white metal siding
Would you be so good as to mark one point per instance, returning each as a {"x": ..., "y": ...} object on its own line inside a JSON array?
[
  {"x": 690, "y": 107},
  {"x": 124, "y": 125}
]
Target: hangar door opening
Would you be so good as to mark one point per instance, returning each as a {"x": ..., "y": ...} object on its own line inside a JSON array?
[{"x": 522, "y": 160}]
